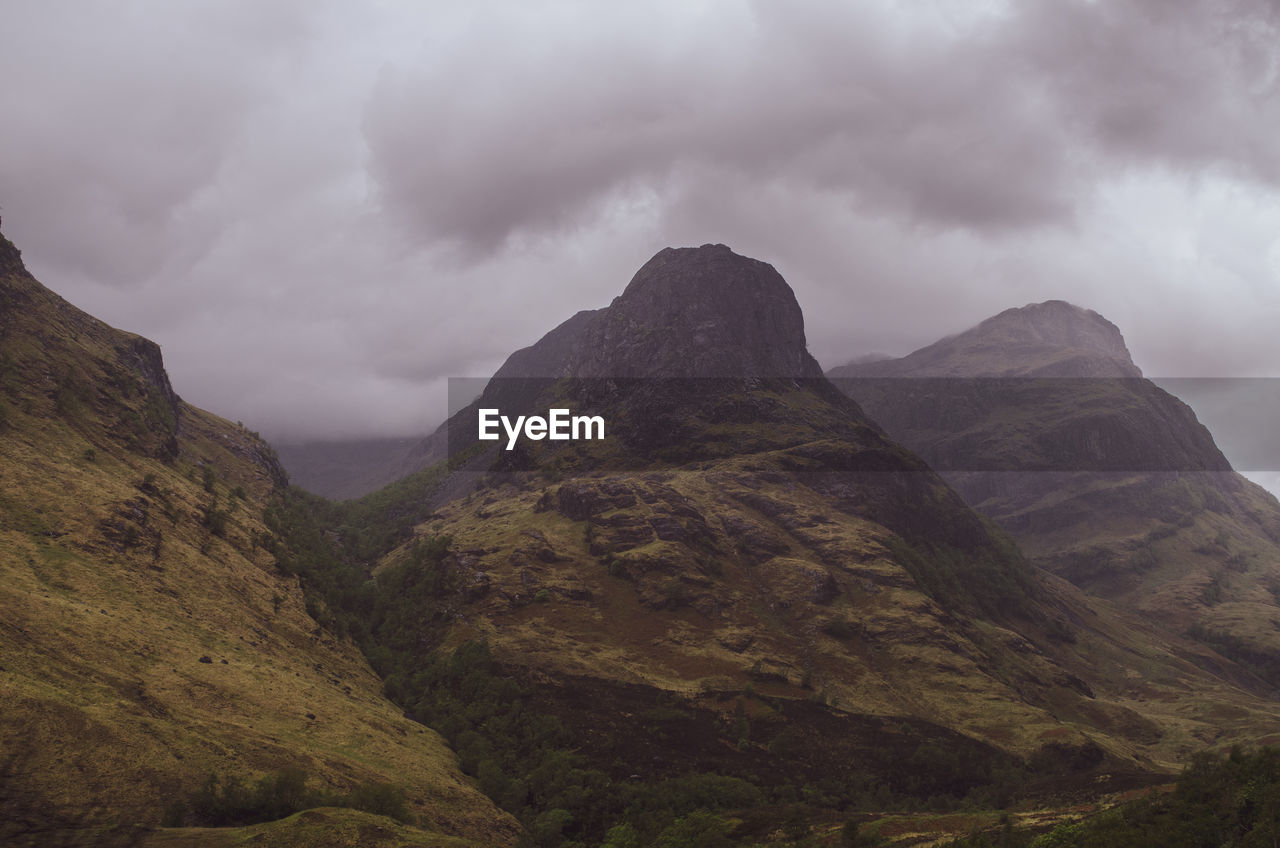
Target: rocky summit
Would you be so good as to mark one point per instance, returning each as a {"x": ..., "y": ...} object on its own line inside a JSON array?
[
  {"x": 689, "y": 320},
  {"x": 698, "y": 312}
]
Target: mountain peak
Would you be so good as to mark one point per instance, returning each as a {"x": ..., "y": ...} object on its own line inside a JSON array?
[
  {"x": 699, "y": 312},
  {"x": 1056, "y": 323},
  {"x": 1050, "y": 339}
]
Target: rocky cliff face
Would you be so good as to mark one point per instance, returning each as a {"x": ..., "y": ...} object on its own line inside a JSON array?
[
  {"x": 110, "y": 384},
  {"x": 689, "y": 317},
  {"x": 553, "y": 354},
  {"x": 698, "y": 312}
]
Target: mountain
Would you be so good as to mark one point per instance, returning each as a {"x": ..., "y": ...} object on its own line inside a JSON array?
[
  {"x": 745, "y": 610},
  {"x": 748, "y": 577},
  {"x": 1040, "y": 419},
  {"x": 345, "y": 469},
  {"x": 1050, "y": 339},
  {"x": 148, "y": 634}
]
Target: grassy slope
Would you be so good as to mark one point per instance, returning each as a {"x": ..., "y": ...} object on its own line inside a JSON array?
[
  {"x": 325, "y": 826},
  {"x": 1198, "y": 552},
  {"x": 812, "y": 596},
  {"x": 117, "y": 582}
]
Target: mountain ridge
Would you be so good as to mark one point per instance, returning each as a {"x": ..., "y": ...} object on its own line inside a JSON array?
[{"x": 1053, "y": 338}]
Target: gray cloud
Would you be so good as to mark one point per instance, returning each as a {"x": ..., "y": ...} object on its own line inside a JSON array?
[
  {"x": 1183, "y": 83},
  {"x": 1006, "y": 126},
  {"x": 322, "y": 211},
  {"x": 119, "y": 119},
  {"x": 479, "y": 150}
]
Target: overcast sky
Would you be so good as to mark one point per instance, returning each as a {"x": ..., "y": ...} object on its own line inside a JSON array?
[{"x": 322, "y": 210}]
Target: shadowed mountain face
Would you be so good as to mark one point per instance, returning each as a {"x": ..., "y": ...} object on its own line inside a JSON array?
[
  {"x": 1040, "y": 420},
  {"x": 701, "y": 358},
  {"x": 148, "y": 637}
]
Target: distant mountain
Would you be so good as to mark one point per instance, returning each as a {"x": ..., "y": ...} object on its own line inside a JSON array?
[
  {"x": 344, "y": 469},
  {"x": 1048, "y": 387},
  {"x": 148, "y": 636},
  {"x": 1040, "y": 419},
  {"x": 1050, "y": 339}
]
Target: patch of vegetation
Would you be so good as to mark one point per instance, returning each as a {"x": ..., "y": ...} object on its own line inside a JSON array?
[
  {"x": 71, "y": 397},
  {"x": 1232, "y": 800},
  {"x": 994, "y": 581},
  {"x": 1261, "y": 663},
  {"x": 524, "y": 759},
  {"x": 838, "y": 628},
  {"x": 215, "y": 518},
  {"x": 231, "y": 802},
  {"x": 375, "y": 524}
]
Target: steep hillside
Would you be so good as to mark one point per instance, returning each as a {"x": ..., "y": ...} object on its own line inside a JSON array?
[
  {"x": 147, "y": 638},
  {"x": 1040, "y": 420}
]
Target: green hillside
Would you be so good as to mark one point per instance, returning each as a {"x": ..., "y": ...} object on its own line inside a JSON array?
[{"x": 147, "y": 637}]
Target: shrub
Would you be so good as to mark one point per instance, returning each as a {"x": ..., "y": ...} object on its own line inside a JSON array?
[
  {"x": 232, "y": 802},
  {"x": 383, "y": 799},
  {"x": 215, "y": 519}
]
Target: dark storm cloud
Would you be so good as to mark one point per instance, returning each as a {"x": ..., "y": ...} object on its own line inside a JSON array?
[
  {"x": 478, "y": 147},
  {"x": 1004, "y": 126}
]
